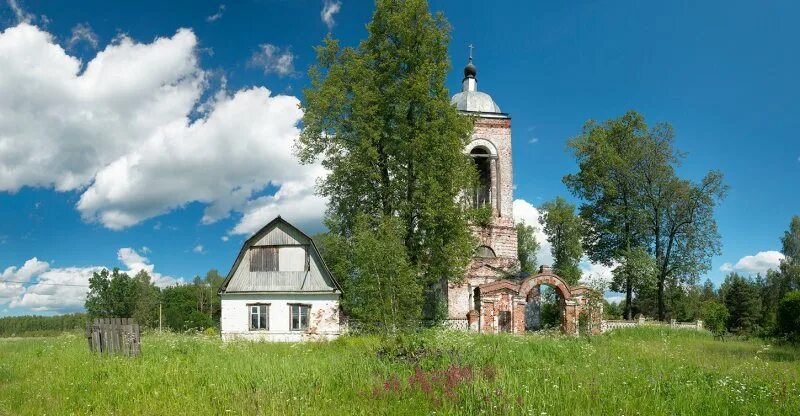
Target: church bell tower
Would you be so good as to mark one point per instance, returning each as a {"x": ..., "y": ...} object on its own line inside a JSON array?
[{"x": 490, "y": 149}]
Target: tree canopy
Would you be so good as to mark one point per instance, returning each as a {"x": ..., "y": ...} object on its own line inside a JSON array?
[
  {"x": 563, "y": 229},
  {"x": 378, "y": 118},
  {"x": 633, "y": 199}
]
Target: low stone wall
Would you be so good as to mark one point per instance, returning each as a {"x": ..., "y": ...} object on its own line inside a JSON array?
[{"x": 608, "y": 325}]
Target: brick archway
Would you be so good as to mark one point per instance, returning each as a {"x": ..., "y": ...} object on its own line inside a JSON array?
[
  {"x": 503, "y": 302},
  {"x": 569, "y": 307}
]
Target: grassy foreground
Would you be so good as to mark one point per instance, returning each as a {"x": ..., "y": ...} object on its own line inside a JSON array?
[{"x": 647, "y": 371}]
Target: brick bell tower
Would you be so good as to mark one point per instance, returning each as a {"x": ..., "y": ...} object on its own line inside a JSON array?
[{"x": 490, "y": 149}]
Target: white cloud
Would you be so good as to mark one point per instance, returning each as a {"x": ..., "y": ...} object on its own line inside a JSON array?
[
  {"x": 296, "y": 202},
  {"x": 525, "y": 212},
  {"x": 533, "y": 140},
  {"x": 759, "y": 263},
  {"x": 216, "y": 16},
  {"x": 20, "y": 13},
  {"x": 273, "y": 60},
  {"x": 64, "y": 289},
  {"x": 82, "y": 32},
  {"x": 130, "y": 134},
  {"x": 329, "y": 9},
  {"x": 198, "y": 249},
  {"x": 134, "y": 262},
  {"x": 595, "y": 271}
]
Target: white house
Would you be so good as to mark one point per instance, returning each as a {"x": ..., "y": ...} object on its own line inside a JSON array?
[{"x": 279, "y": 289}]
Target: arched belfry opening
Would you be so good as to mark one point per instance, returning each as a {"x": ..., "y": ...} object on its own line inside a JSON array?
[{"x": 482, "y": 194}]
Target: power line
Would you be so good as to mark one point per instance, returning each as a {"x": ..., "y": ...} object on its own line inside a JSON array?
[{"x": 40, "y": 283}]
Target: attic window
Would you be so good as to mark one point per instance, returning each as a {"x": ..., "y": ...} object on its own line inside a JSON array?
[{"x": 264, "y": 259}]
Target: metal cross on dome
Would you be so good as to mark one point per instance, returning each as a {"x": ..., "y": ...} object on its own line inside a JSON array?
[{"x": 470, "y": 51}]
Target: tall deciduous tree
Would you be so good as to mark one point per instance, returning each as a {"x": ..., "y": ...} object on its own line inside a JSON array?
[
  {"x": 610, "y": 156},
  {"x": 563, "y": 229},
  {"x": 635, "y": 199},
  {"x": 527, "y": 247},
  {"x": 378, "y": 117},
  {"x": 384, "y": 294}
]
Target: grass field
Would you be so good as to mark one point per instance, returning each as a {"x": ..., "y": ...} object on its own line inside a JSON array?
[{"x": 647, "y": 371}]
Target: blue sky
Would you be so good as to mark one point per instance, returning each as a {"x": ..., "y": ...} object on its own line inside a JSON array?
[{"x": 156, "y": 135}]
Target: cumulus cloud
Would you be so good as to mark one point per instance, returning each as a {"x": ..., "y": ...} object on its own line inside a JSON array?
[
  {"x": 273, "y": 60},
  {"x": 198, "y": 249},
  {"x": 525, "y": 212},
  {"x": 216, "y": 16},
  {"x": 759, "y": 263},
  {"x": 64, "y": 289},
  {"x": 329, "y": 9},
  {"x": 82, "y": 32},
  {"x": 129, "y": 133}
]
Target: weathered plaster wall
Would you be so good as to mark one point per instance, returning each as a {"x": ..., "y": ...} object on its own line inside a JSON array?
[{"x": 324, "y": 319}]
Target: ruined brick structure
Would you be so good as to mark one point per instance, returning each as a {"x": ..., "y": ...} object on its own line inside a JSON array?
[{"x": 492, "y": 296}]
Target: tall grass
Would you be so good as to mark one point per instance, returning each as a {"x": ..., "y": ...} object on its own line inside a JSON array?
[{"x": 647, "y": 371}]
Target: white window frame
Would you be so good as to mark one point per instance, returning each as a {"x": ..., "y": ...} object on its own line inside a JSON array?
[{"x": 255, "y": 309}]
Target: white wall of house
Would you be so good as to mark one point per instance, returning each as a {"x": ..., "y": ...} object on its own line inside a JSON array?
[{"x": 323, "y": 317}]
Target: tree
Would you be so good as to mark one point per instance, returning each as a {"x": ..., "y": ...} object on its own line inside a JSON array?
[
  {"x": 384, "y": 294},
  {"x": 635, "y": 199},
  {"x": 790, "y": 241},
  {"x": 740, "y": 296},
  {"x": 635, "y": 272},
  {"x": 110, "y": 295},
  {"x": 790, "y": 265},
  {"x": 180, "y": 309},
  {"x": 707, "y": 292},
  {"x": 714, "y": 316},
  {"x": 378, "y": 118},
  {"x": 682, "y": 229},
  {"x": 146, "y": 298},
  {"x": 609, "y": 157},
  {"x": 789, "y": 316},
  {"x": 527, "y": 247},
  {"x": 563, "y": 229}
]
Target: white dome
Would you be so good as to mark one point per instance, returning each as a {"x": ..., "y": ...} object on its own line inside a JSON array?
[{"x": 475, "y": 101}]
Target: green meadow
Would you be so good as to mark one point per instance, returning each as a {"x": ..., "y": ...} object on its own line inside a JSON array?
[{"x": 647, "y": 371}]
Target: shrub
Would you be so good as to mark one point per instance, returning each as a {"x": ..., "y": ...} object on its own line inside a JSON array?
[
  {"x": 714, "y": 315},
  {"x": 789, "y": 316}
]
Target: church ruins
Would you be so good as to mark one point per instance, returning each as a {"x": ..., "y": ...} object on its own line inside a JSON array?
[{"x": 494, "y": 296}]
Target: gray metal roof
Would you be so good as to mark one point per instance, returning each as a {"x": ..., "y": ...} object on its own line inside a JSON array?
[{"x": 475, "y": 101}]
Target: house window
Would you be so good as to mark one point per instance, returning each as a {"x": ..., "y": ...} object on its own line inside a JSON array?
[
  {"x": 264, "y": 259},
  {"x": 299, "y": 317},
  {"x": 259, "y": 317}
]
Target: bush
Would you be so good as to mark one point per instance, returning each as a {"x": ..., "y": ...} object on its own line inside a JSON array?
[
  {"x": 714, "y": 315},
  {"x": 789, "y": 316}
]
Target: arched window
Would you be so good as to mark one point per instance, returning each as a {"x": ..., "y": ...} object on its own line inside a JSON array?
[
  {"x": 483, "y": 191},
  {"x": 484, "y": 251}
]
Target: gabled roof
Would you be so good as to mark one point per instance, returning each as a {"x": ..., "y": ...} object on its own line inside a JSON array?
[{"x": 275, "y": 281}]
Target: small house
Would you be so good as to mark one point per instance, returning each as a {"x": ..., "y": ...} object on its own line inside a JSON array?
[{"x": 279, "y": 289}]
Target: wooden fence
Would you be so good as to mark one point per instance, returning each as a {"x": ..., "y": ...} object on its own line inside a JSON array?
[{"x": 113, "y": 336}]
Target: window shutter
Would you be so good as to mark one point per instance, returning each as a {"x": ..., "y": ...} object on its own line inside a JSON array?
[{"x": 264, "y": 259}]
